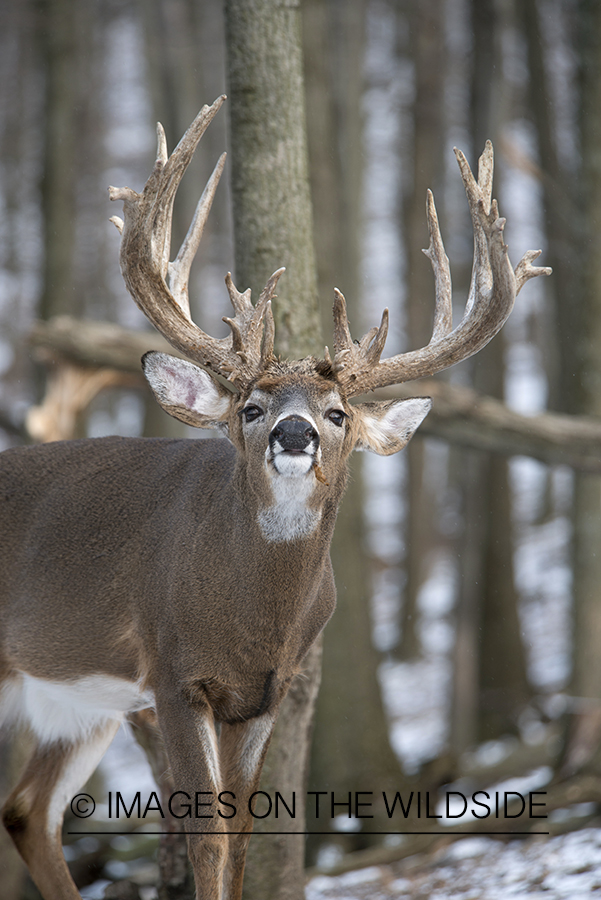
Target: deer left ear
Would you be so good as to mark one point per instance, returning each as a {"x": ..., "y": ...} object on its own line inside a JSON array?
[
  {"x": 385, "y": 427},
  {"x": 187, "y": 392}
]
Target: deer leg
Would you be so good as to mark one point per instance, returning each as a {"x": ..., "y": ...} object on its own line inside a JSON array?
[
  {"x": 243, "y": 747},
  {"x": 33, "y": 813},
  {"x": 173, "y": 857},
  {"x": 191, "y": 742}
]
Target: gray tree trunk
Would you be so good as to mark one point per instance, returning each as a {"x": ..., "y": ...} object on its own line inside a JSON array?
[
  {"x": 349, "y": 750},
  {"x": 489, "y": 646},
  {"x": 427, "y": 41},
  {"x": 270, "y": 187},
  {"x": 563, "y": 228},
  {"x": 273, "y": 227},
  {"x": 583, "y": 749},
  {"x": 58, "y": 31}
]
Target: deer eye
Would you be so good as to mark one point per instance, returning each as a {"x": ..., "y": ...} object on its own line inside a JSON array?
[
  {"x": 251, "y": 413},
  {"x": 337, "y": 417}
]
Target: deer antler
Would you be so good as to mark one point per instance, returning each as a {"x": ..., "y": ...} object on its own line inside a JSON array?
[
  {"x": 160, "y": 287},
  {"x": 493, "y": 289}
]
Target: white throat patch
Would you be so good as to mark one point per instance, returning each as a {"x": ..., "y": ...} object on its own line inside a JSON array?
[{"x": 289, "y": 517}]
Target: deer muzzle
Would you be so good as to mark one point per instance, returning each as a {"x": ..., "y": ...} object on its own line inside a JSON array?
[
  {"x": 293, "y": 446},
  {"x": 294, "y": 434}
]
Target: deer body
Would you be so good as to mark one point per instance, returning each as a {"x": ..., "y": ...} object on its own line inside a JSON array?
[
  {"x": 153, "y": 590},
  {"x": 131, "y": 578},
  {"x": 192, "y": 577}
]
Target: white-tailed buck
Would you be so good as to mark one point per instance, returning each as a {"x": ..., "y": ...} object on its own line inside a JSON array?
[{"x": 193, "y": 576}]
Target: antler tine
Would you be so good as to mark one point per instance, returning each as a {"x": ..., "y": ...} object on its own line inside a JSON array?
[
  {"x": 162, "y": 152},
  {"x": 492, "y": 293},
  {"x": 253, "y": 328},
  {"x": 161, "y": 160},
  {"x": 179, "y": 270},
  {"x": 168, "y": 172},
  {"x": 443, "y": 310},
  {"x": 353, "y": 361},
  {"x": 264, "y": 308},
  {"x": 268, "y": 336},
  {"x": 375, "y": 346},
  {"x": 367, "y": 338},
  {"x": 486, "y": 165},
  {"x": 239, "y": 300},
  {"x": 146, "y": 235},
  {"x": 524, "y": 270},
  {"x": 342, "y": 333},
  {"x": 479, "y": 196}
]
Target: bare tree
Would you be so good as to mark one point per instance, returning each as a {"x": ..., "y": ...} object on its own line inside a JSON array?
[
  {"x": 348, "y": 752},
  {"x": 273, "y": 227},
  {"x": 490, "y": 678},
  {"x": 583, "y": 749}
]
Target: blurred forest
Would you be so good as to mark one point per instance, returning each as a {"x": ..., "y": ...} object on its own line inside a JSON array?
[{"x": 464, "y": 649}]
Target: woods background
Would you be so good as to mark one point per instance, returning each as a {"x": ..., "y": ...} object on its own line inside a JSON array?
[{"x": 464, "y": 648}]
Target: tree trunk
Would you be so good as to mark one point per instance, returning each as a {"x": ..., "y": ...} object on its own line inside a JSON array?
[
  {"x": 273, "y": 227},
  {"x": 564, "y": 228},
  {"x": 58, "y": 31},
  {"x": 583, "y": 749},
  {"x": 184, "y": 52},
  {"x": 428, "y": 47},
  {"x": 349, "y": 750},
  {"x": 489, "y": 646},
  {"x": 270, "y": 189}
]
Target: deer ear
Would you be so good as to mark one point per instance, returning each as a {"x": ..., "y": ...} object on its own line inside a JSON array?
[
  {"x": 187, "y": 392},
  {"x": 385, "y": 427}
]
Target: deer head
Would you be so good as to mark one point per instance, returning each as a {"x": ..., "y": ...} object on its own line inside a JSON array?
[{"x": 293, "y": 419}]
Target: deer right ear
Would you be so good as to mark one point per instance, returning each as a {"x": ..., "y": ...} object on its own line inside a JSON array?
[
  {"x": 386, "y": 426},
  {"x": 187, "y": 392}
]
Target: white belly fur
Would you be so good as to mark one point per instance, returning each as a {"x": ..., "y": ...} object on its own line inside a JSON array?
[{"x": 70, "y": 710}]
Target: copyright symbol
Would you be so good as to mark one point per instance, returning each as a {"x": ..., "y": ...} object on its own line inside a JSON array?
[{"x": 82, "y": 806}]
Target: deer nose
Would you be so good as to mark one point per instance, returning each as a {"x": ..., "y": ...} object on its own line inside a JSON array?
[{"x": 294, "y": 433}]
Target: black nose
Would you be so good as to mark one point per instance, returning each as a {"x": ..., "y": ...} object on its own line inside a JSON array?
[{"x": 294, "y": 433}]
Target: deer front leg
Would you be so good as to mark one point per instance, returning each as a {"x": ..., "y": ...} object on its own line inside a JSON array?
[
  {"x": 173, "y": 852},
  {"x": 190, "y": 738},
  {"x": 243, "y": 747}
]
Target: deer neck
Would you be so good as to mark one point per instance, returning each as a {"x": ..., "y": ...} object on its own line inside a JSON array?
[{"x": 287, "y": 512}]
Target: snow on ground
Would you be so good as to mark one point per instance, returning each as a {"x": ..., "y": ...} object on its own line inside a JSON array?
[{"x": 478, "y": 868}]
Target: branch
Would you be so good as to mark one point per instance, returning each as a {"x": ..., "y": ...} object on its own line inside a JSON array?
[
  {"x": 459, "y": 414},
  {"x": 96, "y": 343},
  {"x": 462, "y": 416}
]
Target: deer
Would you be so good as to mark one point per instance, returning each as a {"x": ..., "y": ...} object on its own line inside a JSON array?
[{"x": 191, "y": 577}]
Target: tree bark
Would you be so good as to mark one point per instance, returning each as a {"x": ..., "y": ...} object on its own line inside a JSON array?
[
  {"x": 428, "y": 48},
  {"x": 58, "y": 31},
  {"x": 564, "y": 229},
  {"x": 583, "y": 749},
  {"x": 270, "y": 192},
  {"x": 350, "y": 749},
  {"x": 273, "y": 227},
  {"x": 489, "y": 644}
]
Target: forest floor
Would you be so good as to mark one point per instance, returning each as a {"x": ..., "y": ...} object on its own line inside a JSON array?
[{"x": 566, "y": 867}]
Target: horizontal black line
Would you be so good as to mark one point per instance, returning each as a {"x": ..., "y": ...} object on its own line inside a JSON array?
[{"x": 331, "y": 833}]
